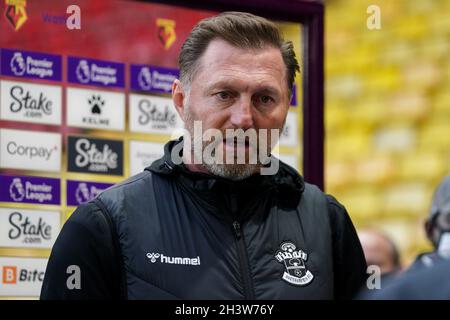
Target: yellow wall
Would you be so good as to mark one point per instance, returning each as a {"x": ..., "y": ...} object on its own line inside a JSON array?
[{"x": 387, "y": 104}]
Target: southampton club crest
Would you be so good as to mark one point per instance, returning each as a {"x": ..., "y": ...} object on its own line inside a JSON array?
[{"x": 294, "y": 262}]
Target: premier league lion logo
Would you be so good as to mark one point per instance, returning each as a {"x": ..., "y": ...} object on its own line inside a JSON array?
[
  {"x": 82, "y": 193},
  {"x": 83, "y": 71},
  {"x": 17, "y": 64},
  {"x": 145, "y": 78},
  {"x": 296, "y": 272},
  {"x": 16, "y": 190}
]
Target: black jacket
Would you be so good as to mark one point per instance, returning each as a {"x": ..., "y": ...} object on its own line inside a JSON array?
[
  {"x": 169, "y": 233},
  {"x": 421, "y": 283}
]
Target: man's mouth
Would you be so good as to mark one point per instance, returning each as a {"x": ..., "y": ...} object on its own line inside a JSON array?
[{"x": 237, "y": 143}]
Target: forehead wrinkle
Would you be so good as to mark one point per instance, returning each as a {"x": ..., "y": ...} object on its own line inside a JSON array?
[
  {"x": 244, "y": 80},
  {"x": 250, "y": 66},
  {"x": 230, "y": 52}
]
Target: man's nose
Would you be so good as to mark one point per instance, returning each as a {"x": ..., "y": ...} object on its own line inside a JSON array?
[{"x": 242, "y": 115}]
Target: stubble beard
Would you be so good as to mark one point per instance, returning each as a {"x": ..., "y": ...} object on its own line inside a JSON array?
[{"x": 233, "y": 171}]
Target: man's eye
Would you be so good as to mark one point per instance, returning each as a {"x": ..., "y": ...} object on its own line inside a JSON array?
[
  {"x": 266, "y": 99},
  {"x": 223, "y": 95}
]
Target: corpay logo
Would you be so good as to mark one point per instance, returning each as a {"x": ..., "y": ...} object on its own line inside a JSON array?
[
  {"x": 30, "y": 150},
  {"x": 14, "y": 148}
]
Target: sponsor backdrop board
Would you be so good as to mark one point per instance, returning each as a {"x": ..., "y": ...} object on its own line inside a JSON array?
[
  {"x": 82, "y": 109},
  {"x": 28, "y": 228},
  {"x": 96, "y": 109},
  {"x": 142, "y": 154},
  {"x": 79, "y": 192},
  {"x": 27, "y": 189},
  {"x": 93, "y": 155},
  {"x": 153, "y": 114},
  {"x": 30, "y": 150},
  {"x": 21, "y": 277},
  {"x": 26, "y": 102}
]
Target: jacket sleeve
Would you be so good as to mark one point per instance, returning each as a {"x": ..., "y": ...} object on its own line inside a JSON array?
[
  {"x": 349, "y": 262},
  {"x": 85, "y": 242}
]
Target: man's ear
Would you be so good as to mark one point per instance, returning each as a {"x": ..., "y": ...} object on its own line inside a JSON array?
[
  {"x": 178, "y": 97},
  {"x": 428, "y": 229}
]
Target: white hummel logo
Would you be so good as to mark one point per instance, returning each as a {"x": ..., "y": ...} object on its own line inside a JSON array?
[{"x": 159, "y": 257}]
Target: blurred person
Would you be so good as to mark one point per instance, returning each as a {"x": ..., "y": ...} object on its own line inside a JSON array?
[
  {"x": 437, "y": 228},
  {"x": 428, "y": 277},
  {"x": 430, "y": 283},
  {"x": 381, "y": 251},
  {"x": 205, "y": 229}
]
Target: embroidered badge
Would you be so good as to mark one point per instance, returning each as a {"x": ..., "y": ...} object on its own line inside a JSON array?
[{"x": 296, "y": 272}]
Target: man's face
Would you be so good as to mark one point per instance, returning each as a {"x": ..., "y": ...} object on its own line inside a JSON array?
[
  {"x": 377, "y": 251},
  {"x": 236, "y": 88},
  {"x": 435, "y": 228}
]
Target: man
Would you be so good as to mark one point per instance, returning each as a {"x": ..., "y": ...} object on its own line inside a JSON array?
[
  {"x": 193, "y": 226},
  {"x": 381, "y": 251},
  {"x": 430, "y": 283},
  {"x": 437, "y": 228},
  {"x": 428, "y": 277}
]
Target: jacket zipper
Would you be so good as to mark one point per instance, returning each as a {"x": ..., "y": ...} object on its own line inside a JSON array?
[{"x": 242, "y": 252}]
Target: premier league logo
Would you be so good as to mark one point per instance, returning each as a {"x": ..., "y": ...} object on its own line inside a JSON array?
[
  {"x": 296, "y": 272},
  {"x": 17, "y": 64},
  {"x": 16, "y": 190},
  {"x": 83, "y": 71},
  {"x": 145, "y": 78},
  {"x": 82, "y": 194}
]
